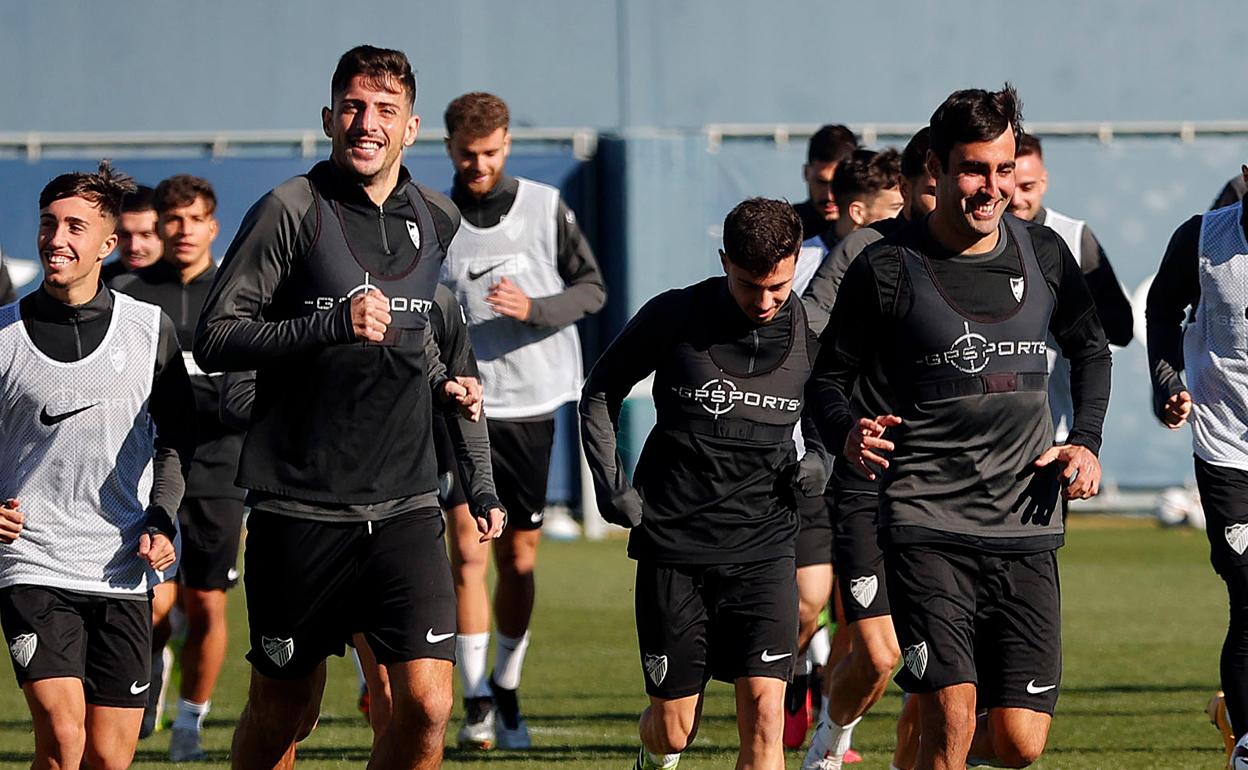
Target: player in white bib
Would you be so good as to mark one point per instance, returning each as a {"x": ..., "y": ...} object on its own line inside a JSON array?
[
  {"x": 94, "y": 400},
  {"x": 524, "y": 274},
  {"x": 1205, "y": 270}
]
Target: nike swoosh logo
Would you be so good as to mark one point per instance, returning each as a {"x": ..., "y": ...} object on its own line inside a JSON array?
[
  {"x": 1031, "y": 688},
  {"x": 135, "y": 689},
  {"x": 53, "y": 419},
  {"x": 474, "y": 274},
  {"x": 433, "y": 638},
  {"x": 769, "y": 658}
]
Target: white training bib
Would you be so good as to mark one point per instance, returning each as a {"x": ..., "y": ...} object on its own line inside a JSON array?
[
  {"x": 526, "y": 370},
  {"x": 1215, "y": 343},
  {"x": 1061, "y": 404},
  {"x": 76, "y": 451}
]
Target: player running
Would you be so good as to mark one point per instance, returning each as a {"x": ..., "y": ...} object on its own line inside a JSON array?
[
  {"x": 712, "y": 503},
  {"x": 325, "y": 292},
  {"x": 857, "y": 681},
  {"x": 525, "y": 275},
  {"x": 96, "y": 409},
  {"x": 949, "y": 316},
  {"x": 1205, "y": 269}
]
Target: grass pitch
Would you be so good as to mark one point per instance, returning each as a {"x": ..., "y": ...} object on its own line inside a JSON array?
[{"x": 1144, "y": 619}]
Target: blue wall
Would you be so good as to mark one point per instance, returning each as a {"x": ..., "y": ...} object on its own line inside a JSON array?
[{"x": 244, "y": 64}]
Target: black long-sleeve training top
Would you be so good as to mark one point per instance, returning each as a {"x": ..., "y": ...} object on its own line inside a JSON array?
[
  {"x": 875, "y": 297},
  {"x": 70, "y": 333},
  {"x": 714, "y": 483}
]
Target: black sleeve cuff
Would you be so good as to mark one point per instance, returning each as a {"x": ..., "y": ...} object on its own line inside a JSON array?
[{"x": 159, "y": 519}]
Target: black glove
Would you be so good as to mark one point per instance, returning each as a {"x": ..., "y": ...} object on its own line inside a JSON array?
[
  {"x": 623, "y": 509},
  {"x": 813, "y": 472}
]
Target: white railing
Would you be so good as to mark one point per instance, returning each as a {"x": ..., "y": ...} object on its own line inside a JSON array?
[{"x": 307, "y": 144}]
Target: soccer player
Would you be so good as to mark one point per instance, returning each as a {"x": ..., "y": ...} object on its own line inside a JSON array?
[
  {"x": 865, "y": 188},
  {"x": 918, "y": 195},
  {"x": 97, "y": 429},
  {"x": 1205, "y": 269},
  {"x": 324, "y": 292},
  {"x": 949, "y": 316},
  {"x": 858, "y": 680},
  {"x": 1232, "y": 192},
  {"x": 1031, "y": 182},
  {"x": 712, "y": 502},
  {"x": 211, "y": 516},
  {"x": 524, "y": 274},
  {"x": 828, "y": 146},
  {"x": 138, "y": 243}
]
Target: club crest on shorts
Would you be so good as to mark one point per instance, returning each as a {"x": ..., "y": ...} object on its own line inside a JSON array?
[
  {"x": 1237, "y": 537},
  {"x": 863, "y": 589},
  {"x": 656, "y": 668},
  {"x": 916, "y": 659},
  {"x": 1016, "y": 286},
  {"x": 413, "y": 232},
  {"x": 279, "y": 651},
  {"x": 22, "y": 648}
]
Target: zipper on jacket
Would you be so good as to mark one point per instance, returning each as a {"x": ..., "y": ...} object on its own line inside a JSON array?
[{"x": 381, "y": 224}]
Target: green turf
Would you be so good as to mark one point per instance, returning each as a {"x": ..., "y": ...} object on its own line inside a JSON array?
[{"x": 1144, "y": 621}]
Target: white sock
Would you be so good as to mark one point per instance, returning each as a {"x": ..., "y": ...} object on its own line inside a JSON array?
[
  {"x": 509, "y": 660},
  {"x": 662, "y": 760},
  {"x": 359, "y": 669},
  {"x": 471, "y": 651},
  {"x": 191, "y": 715},
  {"x": 820, "y": 647},
  {"x": 838, "y": 737}
]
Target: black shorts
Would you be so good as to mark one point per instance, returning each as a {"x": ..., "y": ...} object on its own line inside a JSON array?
[
  {"x": 520, "y": 453},
  {"x": 814, "y": 529},
  {"x": 724, "y": 621},
  {"x": 450, "y": 483},
  {"x": 994, "y": 621},
  {"x": 311, "y": 585},
  {"x": 861, "y": 577},
  {"x": 1224, "y": 496},
  {"x": 211, "y": 528},
  {"x": 105, "y": 641}
]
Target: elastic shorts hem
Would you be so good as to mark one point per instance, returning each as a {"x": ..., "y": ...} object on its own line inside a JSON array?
[
  {"x": 684, "y": 692},
  {"x": 286, "y": 673},
  {"x": 924, "y": 689},
  {"x": 851, "y": 618},
  {"x": 769, "y": 674},
  {"x": 1011, "y": 702},
  {"x": 118, "y": 703}
]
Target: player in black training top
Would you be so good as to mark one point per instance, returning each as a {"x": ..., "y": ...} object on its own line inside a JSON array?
[
  {"x": 828, "y": 146},
  {"x": 712, "y": 503},
  {"x": 949, "y": 316},
  {"x": 325, "y": 293}
]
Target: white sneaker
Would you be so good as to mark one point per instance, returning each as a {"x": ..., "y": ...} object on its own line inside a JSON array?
[
  {"x": 184, "y": 745},
  {"x": 558, "y": 524},
  {"x": 513, "y": 737},
  {"x": 478, "y": 731}
]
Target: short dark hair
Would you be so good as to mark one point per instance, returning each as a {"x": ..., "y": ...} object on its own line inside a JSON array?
[
  {"x": 759, "y": 233},
  {"x": 476, "y": 114},
  {"x": 1029, "y": 144},
  {"x": 832, "y": 143},
  {"x": 140, "y": 200},
  {"x": 975, "y": 115},
  {"x": 182, "y": 190},
  {"x": 382, "y": 68},
  {"x": 865, "y": 173},
  {"x": 914, "y": 157},
  {"x": 105, "y": 189}
]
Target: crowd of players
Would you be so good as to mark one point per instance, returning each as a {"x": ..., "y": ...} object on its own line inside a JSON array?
[{"x": 906, "y": 433}]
